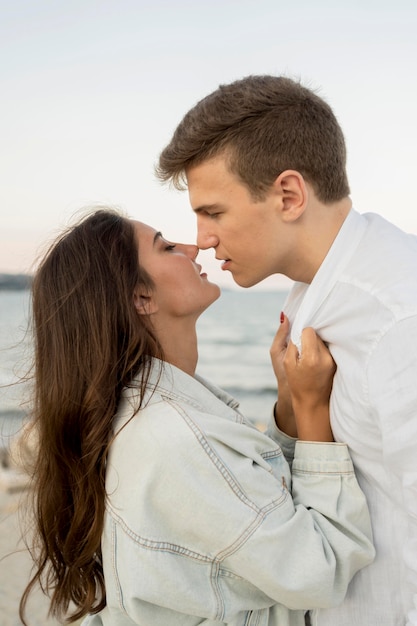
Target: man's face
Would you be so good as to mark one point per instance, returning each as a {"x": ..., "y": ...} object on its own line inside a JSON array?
[{"x": 244, "y": 233}]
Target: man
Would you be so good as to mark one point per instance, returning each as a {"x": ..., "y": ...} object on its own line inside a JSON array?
[{"x": 264, "y": 161}]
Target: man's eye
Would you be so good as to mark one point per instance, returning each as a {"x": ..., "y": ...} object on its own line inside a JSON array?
[{"x": 170, "y": 246}]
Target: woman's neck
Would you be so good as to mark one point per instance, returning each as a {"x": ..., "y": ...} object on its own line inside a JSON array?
[{"x": 179, "y": 345}]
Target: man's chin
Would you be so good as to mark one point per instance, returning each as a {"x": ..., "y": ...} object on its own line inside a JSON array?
[{"x": 245, "y": 281}]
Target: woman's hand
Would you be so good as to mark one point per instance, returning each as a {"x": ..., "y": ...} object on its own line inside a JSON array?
[
  {"x": 308, "y": 384},
  {"x": 284, "y": 413}
]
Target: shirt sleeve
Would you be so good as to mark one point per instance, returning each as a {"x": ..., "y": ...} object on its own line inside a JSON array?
[{"x": 392, "y": 379}]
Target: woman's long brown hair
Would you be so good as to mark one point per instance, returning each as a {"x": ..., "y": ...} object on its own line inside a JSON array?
[{"x": 89, "y": 343}]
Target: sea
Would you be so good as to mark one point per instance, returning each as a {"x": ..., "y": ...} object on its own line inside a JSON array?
[{"x": 235, "y": 334}]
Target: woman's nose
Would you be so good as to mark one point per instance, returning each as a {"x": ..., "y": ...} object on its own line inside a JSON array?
[
  {"x": 194, "y": 250},
  {"x": 190, "y": 249}
]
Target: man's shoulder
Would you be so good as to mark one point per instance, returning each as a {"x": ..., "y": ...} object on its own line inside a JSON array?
[{"x": 378, "y": 224}]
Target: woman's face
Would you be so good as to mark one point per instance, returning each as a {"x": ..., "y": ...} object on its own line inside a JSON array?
[{"x": 181, "y": 288}]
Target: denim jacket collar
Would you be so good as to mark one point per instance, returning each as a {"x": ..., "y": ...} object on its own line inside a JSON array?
[{"x": 169, "y": 381}]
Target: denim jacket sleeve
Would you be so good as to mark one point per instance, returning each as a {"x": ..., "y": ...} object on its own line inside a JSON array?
[
  {"x": 286, "y": 442},
  {"x": 309, "y": 546},
  {"x": 211, "y": 526}
]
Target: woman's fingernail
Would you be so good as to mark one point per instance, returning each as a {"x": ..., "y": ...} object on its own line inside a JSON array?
[{"x": 282, "y": 317}]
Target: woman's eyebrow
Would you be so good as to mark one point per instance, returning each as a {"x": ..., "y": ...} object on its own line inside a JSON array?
[{"x": 157, "y": 236}]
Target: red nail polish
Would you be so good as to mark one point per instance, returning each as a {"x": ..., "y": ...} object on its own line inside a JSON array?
[{"x": 282, "y": 317}]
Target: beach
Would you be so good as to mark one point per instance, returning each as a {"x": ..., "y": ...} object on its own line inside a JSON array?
[
  {"x": 15, "y": 560},
  {"x": 15, "y": 567}
]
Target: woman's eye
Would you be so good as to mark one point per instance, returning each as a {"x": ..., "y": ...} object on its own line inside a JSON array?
[{"x": 170, "y": 246}]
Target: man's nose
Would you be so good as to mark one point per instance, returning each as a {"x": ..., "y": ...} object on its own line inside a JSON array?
[{"x": 205, "y": 238}]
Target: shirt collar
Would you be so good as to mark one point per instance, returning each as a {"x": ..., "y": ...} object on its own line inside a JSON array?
[{"x": 339, "y": 255}]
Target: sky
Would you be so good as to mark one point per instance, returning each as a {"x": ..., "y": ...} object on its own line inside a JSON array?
[{"x": 91, "y": 92}]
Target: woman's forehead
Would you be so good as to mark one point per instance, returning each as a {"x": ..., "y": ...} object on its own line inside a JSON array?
[{"x": 143, "y": 231}]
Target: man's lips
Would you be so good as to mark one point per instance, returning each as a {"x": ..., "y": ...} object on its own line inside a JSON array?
[{"x": 225, "y": 263}]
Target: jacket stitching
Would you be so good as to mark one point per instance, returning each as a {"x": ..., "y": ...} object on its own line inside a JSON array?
[
  {"x": 150, "y": 544},
  {"x": 119, "y": 590},
  {"x": 229, "y": 478}
]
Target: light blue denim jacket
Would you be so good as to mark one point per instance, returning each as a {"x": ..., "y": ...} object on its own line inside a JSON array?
[{"x": 200, "y": 526}]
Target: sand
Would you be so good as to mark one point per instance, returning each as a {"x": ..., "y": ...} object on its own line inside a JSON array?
[{"x": 15, "y": 564}]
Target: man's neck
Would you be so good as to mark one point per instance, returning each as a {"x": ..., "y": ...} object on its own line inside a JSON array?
[{"x": 320, "y": 228}]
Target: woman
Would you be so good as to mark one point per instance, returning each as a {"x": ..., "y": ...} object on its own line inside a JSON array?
[{"x": 156, "y": 503}]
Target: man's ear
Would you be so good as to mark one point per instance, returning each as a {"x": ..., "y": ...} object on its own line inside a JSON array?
[
  {"x": 144, "y": 301},
  {"x": 293, "y": 191}
]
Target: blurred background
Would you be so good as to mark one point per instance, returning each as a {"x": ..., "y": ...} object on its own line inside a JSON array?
[{"x": 93, "y": 89}]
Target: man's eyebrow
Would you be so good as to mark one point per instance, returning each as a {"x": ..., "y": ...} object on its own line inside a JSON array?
[
  {"x": 157, "y": 236},
  {"x": 207, "y": 207}
]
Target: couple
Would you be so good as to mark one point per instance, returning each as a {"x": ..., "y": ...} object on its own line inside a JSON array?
[{"x": 203, "y": 519}]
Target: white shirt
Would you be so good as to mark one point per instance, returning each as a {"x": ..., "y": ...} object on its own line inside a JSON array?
[{"x": 363, "y": 303}]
